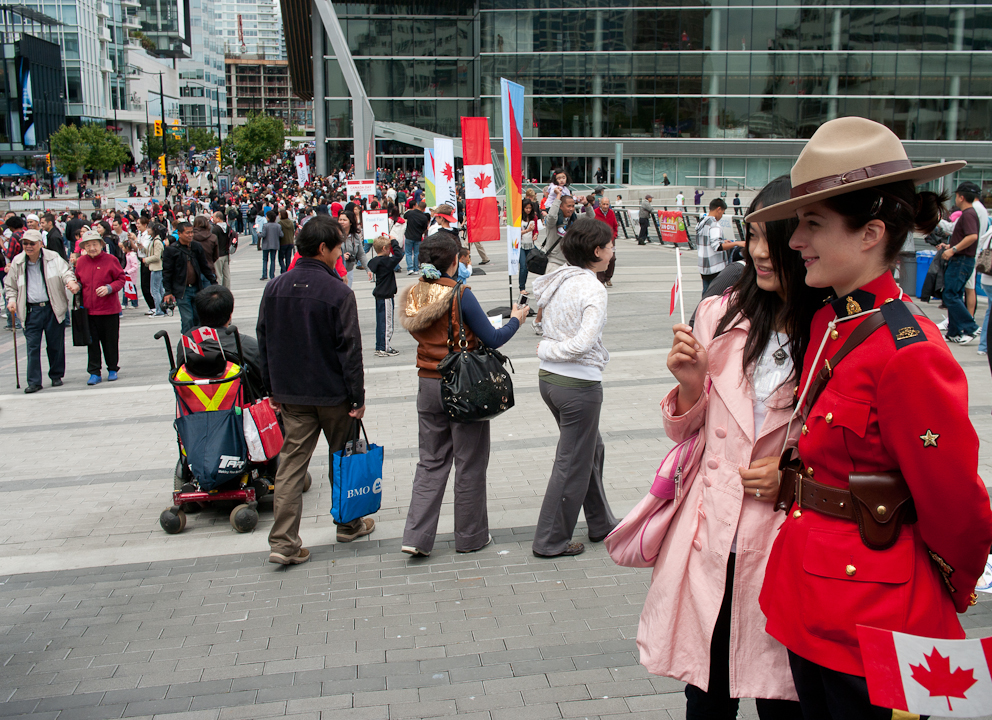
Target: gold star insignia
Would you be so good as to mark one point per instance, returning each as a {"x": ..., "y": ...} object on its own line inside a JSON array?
[{"x": 929, "y": 439}]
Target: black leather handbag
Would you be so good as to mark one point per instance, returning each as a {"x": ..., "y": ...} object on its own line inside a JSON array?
[
  {"x": 475, "y": 385},
  {"x": 80, "y": 318},
  {"x": 537, "y": 259}
]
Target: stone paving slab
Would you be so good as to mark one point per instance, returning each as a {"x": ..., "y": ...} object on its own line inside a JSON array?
[
  {"x": 317, "y": 648},
  {"x": 103, "y": 615}
]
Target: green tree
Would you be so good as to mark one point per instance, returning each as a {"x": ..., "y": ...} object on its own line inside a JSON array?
[
  {"x": 258, "y": 139},
  {"x": 202, "y": 139},
  {"x": 69, "y": 151},
  {"x": 105, "y": 149}
]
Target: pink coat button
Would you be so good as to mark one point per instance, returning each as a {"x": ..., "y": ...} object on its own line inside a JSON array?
[
  {"x": 712, "y": 464},
  {"x": 706, "y": 481},
  {"x": 720, "y": 432},
  {"x": 698, "y": 545}
]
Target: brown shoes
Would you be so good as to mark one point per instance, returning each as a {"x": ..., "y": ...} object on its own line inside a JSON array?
[
  {"x": 573, "y": 548},
  {"x": 299, "y": 558},
  {"x": 358, "y": 528}
]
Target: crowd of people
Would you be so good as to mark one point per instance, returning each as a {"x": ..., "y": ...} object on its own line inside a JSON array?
[{"x": 798, "y": 376}]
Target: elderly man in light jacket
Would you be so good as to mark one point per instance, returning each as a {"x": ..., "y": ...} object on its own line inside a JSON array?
[
  {"x": 560, "y": 217},
  {"x": 35, "y": 290}
]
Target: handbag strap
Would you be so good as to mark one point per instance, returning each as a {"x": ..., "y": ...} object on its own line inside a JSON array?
[
  {"x": 359, "y": 427},
  {"x": 454, "y": 307}
]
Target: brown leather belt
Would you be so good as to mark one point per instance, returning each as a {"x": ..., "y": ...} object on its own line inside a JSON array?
[{"x": 811, "y": 495}]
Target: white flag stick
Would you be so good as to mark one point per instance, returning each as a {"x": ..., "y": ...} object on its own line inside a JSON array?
[{"x": 678, "y": 279}]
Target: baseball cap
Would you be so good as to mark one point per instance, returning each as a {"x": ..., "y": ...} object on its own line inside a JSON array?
[
  {"x": 649, "y": 197},
  {"x": 32, "y": 236},
  {"x": 32, "y": 216},
  {"x": 969, "y": 187}
]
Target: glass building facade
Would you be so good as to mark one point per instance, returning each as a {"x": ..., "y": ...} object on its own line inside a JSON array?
[{"x": 723, "y": 88}]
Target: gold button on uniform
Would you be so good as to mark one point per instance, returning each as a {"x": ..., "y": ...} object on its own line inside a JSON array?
[
  {"x": 881, "y": 510},
  {"x": 829, "y": 417},
  {"x": 805, "y": 430},
  {"x": 850, "y": 570},
  {"x": 809, "y": 471},
  {"x": 797, "y": 514},
  {"x": 834, "y": 334}
]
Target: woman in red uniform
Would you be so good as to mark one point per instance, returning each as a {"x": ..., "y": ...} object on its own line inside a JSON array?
[{"x": 886, "y": 419}]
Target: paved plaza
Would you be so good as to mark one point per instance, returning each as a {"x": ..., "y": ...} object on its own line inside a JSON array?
[{"x": 103, "y": 615}]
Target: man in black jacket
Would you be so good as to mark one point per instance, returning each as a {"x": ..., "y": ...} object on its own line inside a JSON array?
[
  {"x": 222, "y": 231},
  {"x": 310, "y": 348},
  {"x": 53, "y": 236},
  {"x": 182, "y": 265}
]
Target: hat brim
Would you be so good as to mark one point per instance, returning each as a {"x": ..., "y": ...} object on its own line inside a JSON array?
[{"x": 919, "y": 175}]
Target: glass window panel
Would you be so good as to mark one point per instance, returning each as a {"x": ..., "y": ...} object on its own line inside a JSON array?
[
  {"x": 981, "y": 74},
  {"x": 465, "y": 78},
  {"x": 424, "y": 78},
  {"x": 424, "y": 42},
  {"x": 908, "y": 74},
  {"x": 861, "y": 28},
  {"x": 690, "y": 117},
  {"x": 886, "y": 34},
  {"x": 763, "y": 29},
  {"x": 904, "y": 113},
  {"x": 733, "y": 123},
  {"x": 881, "y": 110},
  {"x": 936, "y": 29},
  {"x": 883, "y": 70},
  {"x": 403, "y": 37},
  {"x": 666, "y": 115},
  {"x": 642, "y": 171},
  {"x": 979, "y": 121},
  {"x": 447, "y": 42},
  {"x": 739, "y": 29},
  {"x": 446, "y": 78},
  {"x": 663, "y": 167},
  {"x": 463, "y": 38},
  {"x": 338, "y": 118},
  {"x": 547, "y": 117},
  {"x": 687, "y": 167},
  {"x": 932, "y": 75},
  {"x": 690, "y": 74},
  {"x": 358, "y": 32}
]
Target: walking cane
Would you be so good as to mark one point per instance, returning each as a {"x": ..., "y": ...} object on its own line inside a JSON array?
[{"x": 17, "y": 370}]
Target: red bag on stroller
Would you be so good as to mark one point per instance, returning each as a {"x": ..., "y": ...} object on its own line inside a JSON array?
[{"x": 262, "y": 431}]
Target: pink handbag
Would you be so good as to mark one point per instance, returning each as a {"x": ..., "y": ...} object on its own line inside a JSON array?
[{"x": 637, "y": 540}]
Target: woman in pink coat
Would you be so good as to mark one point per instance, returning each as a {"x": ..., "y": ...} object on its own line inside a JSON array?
[{"x": 737, "y": 372}]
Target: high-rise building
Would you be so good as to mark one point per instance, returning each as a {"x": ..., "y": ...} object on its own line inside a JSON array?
[
  {"x": 262, "y": 85},
  {"x": 252, "y": 27},
  {"x": 716, "y": 91},
  {"x": 203, "y": 101}
]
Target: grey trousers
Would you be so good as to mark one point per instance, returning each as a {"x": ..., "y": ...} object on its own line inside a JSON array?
[
  {"x": 442, "y": 441},
  {"x": 577, "y": 477}
]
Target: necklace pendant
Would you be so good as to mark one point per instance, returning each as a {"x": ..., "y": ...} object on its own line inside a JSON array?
[{"x": 780, "y": 356}]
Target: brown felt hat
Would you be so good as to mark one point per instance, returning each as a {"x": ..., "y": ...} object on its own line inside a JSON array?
[{"x": 848, "y": 154}]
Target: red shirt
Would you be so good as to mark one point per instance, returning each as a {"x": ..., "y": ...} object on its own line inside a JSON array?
[
  {"x": 609, "y": 217},
  {"x": 883, "y": 409},
  {"x": 93, "y": 273}
]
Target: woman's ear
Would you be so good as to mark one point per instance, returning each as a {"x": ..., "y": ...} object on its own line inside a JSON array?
[{"x": 874, "y": 233}]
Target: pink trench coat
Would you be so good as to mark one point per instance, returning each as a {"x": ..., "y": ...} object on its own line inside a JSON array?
[{"x": 689, "y": 578}]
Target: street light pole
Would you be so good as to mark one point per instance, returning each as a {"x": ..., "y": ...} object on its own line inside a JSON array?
[
  {"x": 116, "y": 103},
  {"x": 165, "y": 142}
]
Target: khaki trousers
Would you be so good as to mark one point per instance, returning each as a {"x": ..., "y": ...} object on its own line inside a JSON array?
[
  {"x": 222, "y": 268},
  {"x": 302, "y": 426}
]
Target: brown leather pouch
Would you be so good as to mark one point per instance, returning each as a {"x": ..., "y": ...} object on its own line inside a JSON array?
[
  {"x": 882, "y": 503},
  {"x": 790, "y": 468}
]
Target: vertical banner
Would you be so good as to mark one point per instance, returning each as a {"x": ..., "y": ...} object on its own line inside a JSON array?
[
  {"x": 431, "y": 195},
  {"x": 444, "y": 171},
  {"x": 512, "y": 101},
  {"x": 27, "y": 103},
  {"x": 481, "y": 214},
  {"x": 302, "y": 170}
]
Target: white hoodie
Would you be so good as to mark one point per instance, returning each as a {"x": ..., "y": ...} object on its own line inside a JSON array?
[{"x": 574, "y": 304}]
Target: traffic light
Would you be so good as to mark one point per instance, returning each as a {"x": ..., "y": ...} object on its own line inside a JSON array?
[
  {"x": 218, "y": 156},
  {"x": 161, "y": 164},
  {"x": 158, "y": 128},
  {"x": 48, "y": 162}
]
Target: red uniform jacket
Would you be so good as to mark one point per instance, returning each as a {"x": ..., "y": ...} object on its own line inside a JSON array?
[{"x": 884, "y": 409}]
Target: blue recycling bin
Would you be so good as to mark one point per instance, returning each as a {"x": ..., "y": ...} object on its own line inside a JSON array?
[{"x": 923, "y": 260}]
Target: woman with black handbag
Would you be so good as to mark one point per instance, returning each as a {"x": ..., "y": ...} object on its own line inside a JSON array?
[{"x": 433, "y": 316}]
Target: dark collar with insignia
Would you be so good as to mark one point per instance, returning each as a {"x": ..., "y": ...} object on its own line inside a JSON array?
[{"x": 853, "y": 303}]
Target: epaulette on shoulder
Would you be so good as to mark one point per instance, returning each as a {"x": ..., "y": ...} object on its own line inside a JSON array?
[{"x": 904, "y": 327}]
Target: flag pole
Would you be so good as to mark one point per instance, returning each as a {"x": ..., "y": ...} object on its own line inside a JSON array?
[{"x": 678, "y": 279}]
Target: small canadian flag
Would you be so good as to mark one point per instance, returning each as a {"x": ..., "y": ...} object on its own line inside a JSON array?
[{"x": 927, "y": 676}]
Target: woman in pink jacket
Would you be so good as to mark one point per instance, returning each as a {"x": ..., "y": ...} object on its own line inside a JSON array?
[{"x": 737, "y": 372}]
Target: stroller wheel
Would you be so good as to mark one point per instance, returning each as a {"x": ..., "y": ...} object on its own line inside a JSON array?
[
  {"x": 172, "y": 520},
  {"x": 244, "y": 518},
  {"x": 307, "y": 482},
  {"x": 182, "y": 475}
]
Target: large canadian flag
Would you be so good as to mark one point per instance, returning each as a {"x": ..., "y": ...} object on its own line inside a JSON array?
[
  {"x": 927, "y": 676},
  {"x": 481, "y": 212}
]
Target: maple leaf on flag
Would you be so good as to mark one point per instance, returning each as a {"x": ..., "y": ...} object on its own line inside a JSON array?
[
  {"x": 940, "y": 681},
  {"x": 675, "y": 296},
  {"x": 483, "y": 181},
  {"x": 448, "y": 172}
]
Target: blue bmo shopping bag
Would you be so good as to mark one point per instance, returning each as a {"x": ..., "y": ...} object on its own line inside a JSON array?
[{"x": 356, "y": 478}]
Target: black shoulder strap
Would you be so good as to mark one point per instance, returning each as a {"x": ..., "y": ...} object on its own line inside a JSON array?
[{"x": 898, "y": 309}]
